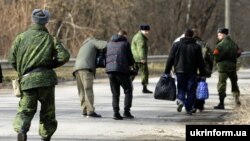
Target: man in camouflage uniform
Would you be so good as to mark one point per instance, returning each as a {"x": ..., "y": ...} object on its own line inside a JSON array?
[
  {"x": 34, "y": 54},
  {"x": 140, "y": 52},
  {"x": 226, "y": 53}
]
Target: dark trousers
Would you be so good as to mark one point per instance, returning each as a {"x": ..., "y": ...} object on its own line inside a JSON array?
[
  {"x": 116, "y": 80},
  {"x": 199, "y": 104},
  {"x": 186, "y": 85}
]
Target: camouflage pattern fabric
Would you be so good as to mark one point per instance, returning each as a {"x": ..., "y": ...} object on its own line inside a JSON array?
[
  {"x": 143, "y": 68},
  {"x": 28, "y": 106},
  {"x": 222, "y": 84},
  {"x": 139, "y": 47},
  {"x": 36, "y": 48}
]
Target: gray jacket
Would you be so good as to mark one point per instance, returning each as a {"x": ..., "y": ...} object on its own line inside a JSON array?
[{"x": 87, "y": 54}]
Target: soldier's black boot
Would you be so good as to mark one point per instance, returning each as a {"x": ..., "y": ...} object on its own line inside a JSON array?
[
  {"x": 221, "y": 104},
  {"x": 45, "y": 139},
  {"x": 22, "y": 136},
  {"x": 237, "y": 98},
  {"x": 145, "y": 90},
  {"x": 237, "y": 101}
]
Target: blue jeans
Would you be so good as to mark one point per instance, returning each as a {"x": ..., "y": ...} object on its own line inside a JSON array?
[{"x": 186, "y": 85}]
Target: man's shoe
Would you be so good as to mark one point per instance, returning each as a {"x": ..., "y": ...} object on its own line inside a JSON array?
[
  {"x": 146, "y": 91},
  {"x": 190, "y": 112},
  {"x": 84, "y": 114},
  {"x": 128, "y": 115},
  {"x": 117, "y": 116},
  {"x": 201, "y": 109},
  {"x": 194, "y": 110},
  {"x": 94, "y": 115},
  {"x": 179, "y": 108},
  {"x": 219, "y": 106},
  {"x": 21, "y": 136},
  {"x": 43, "y": 139}
]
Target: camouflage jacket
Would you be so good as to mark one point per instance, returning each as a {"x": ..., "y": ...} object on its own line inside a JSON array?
[
  {"x": 86, "y": 56},
  {"x": 226, "y": 54},
  {"x": 37, "y": 49},
  {"x": 207, "y": 55},
  {"x": 139, "y": 47}
]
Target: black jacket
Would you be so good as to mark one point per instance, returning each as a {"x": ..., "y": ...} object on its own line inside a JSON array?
[
  {"x": 119, "y": 56},
  {"x": 186, "y": 57}
]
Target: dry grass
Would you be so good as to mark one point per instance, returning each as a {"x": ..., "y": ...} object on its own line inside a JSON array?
[
  {"x": 240, "y": 115},
  {"x": 65, "y": 73}
]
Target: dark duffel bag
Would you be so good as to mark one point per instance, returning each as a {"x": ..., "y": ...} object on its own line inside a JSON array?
[{"x": 165, "y": 88}]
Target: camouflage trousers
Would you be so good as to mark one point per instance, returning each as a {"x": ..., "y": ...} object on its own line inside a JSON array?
[
  {"x": 222, "y": 84},
  {"x": 143, "y": 68},
  {"x": 27, "y": 109}
]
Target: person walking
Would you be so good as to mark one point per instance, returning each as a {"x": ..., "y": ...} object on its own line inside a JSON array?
[
  {"x": 34, "y": 54},
  {"x": 207, "y": 54},
  {"x": 140, "y": 52},
  {"x": 119, "y": 63},
  {"x": 84, "y": 71},
  {"x": 186, "y": 57},
  {"x": 226, "y": 53}
]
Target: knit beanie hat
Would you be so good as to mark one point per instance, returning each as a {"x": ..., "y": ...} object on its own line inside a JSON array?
[
  {"x": 40, "y": 16},
  {"x": 223, "y": 31}
]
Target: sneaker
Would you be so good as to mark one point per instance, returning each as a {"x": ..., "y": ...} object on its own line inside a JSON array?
[
  {"x": 94, "y": 115},
  {"x": 21, "y": 136},
  {"x": 189, "y": 112},
  {"x": 194, "y": 110},
  {"x": 179, "y": 108},
  {"x": 128, "y": 115},
  {"x": 117, "y": 116},
  {"x": 219, "y": 106}
]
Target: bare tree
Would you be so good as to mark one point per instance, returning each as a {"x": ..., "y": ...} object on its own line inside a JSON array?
[{"x": 73, "y": 21}]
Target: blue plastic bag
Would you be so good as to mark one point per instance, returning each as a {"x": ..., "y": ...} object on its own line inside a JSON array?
[{"x": 202, "y": 91}]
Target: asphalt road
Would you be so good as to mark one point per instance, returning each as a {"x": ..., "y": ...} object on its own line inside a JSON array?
[{"x": 155, "y": 120}]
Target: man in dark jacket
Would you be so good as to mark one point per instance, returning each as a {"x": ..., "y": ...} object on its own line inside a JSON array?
[
  {"x": 226, "y": 53},
  {"x": 34, "y": 54},
  {"x": 186, "y": 57},
  {"x": 119, "y": 60}
]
